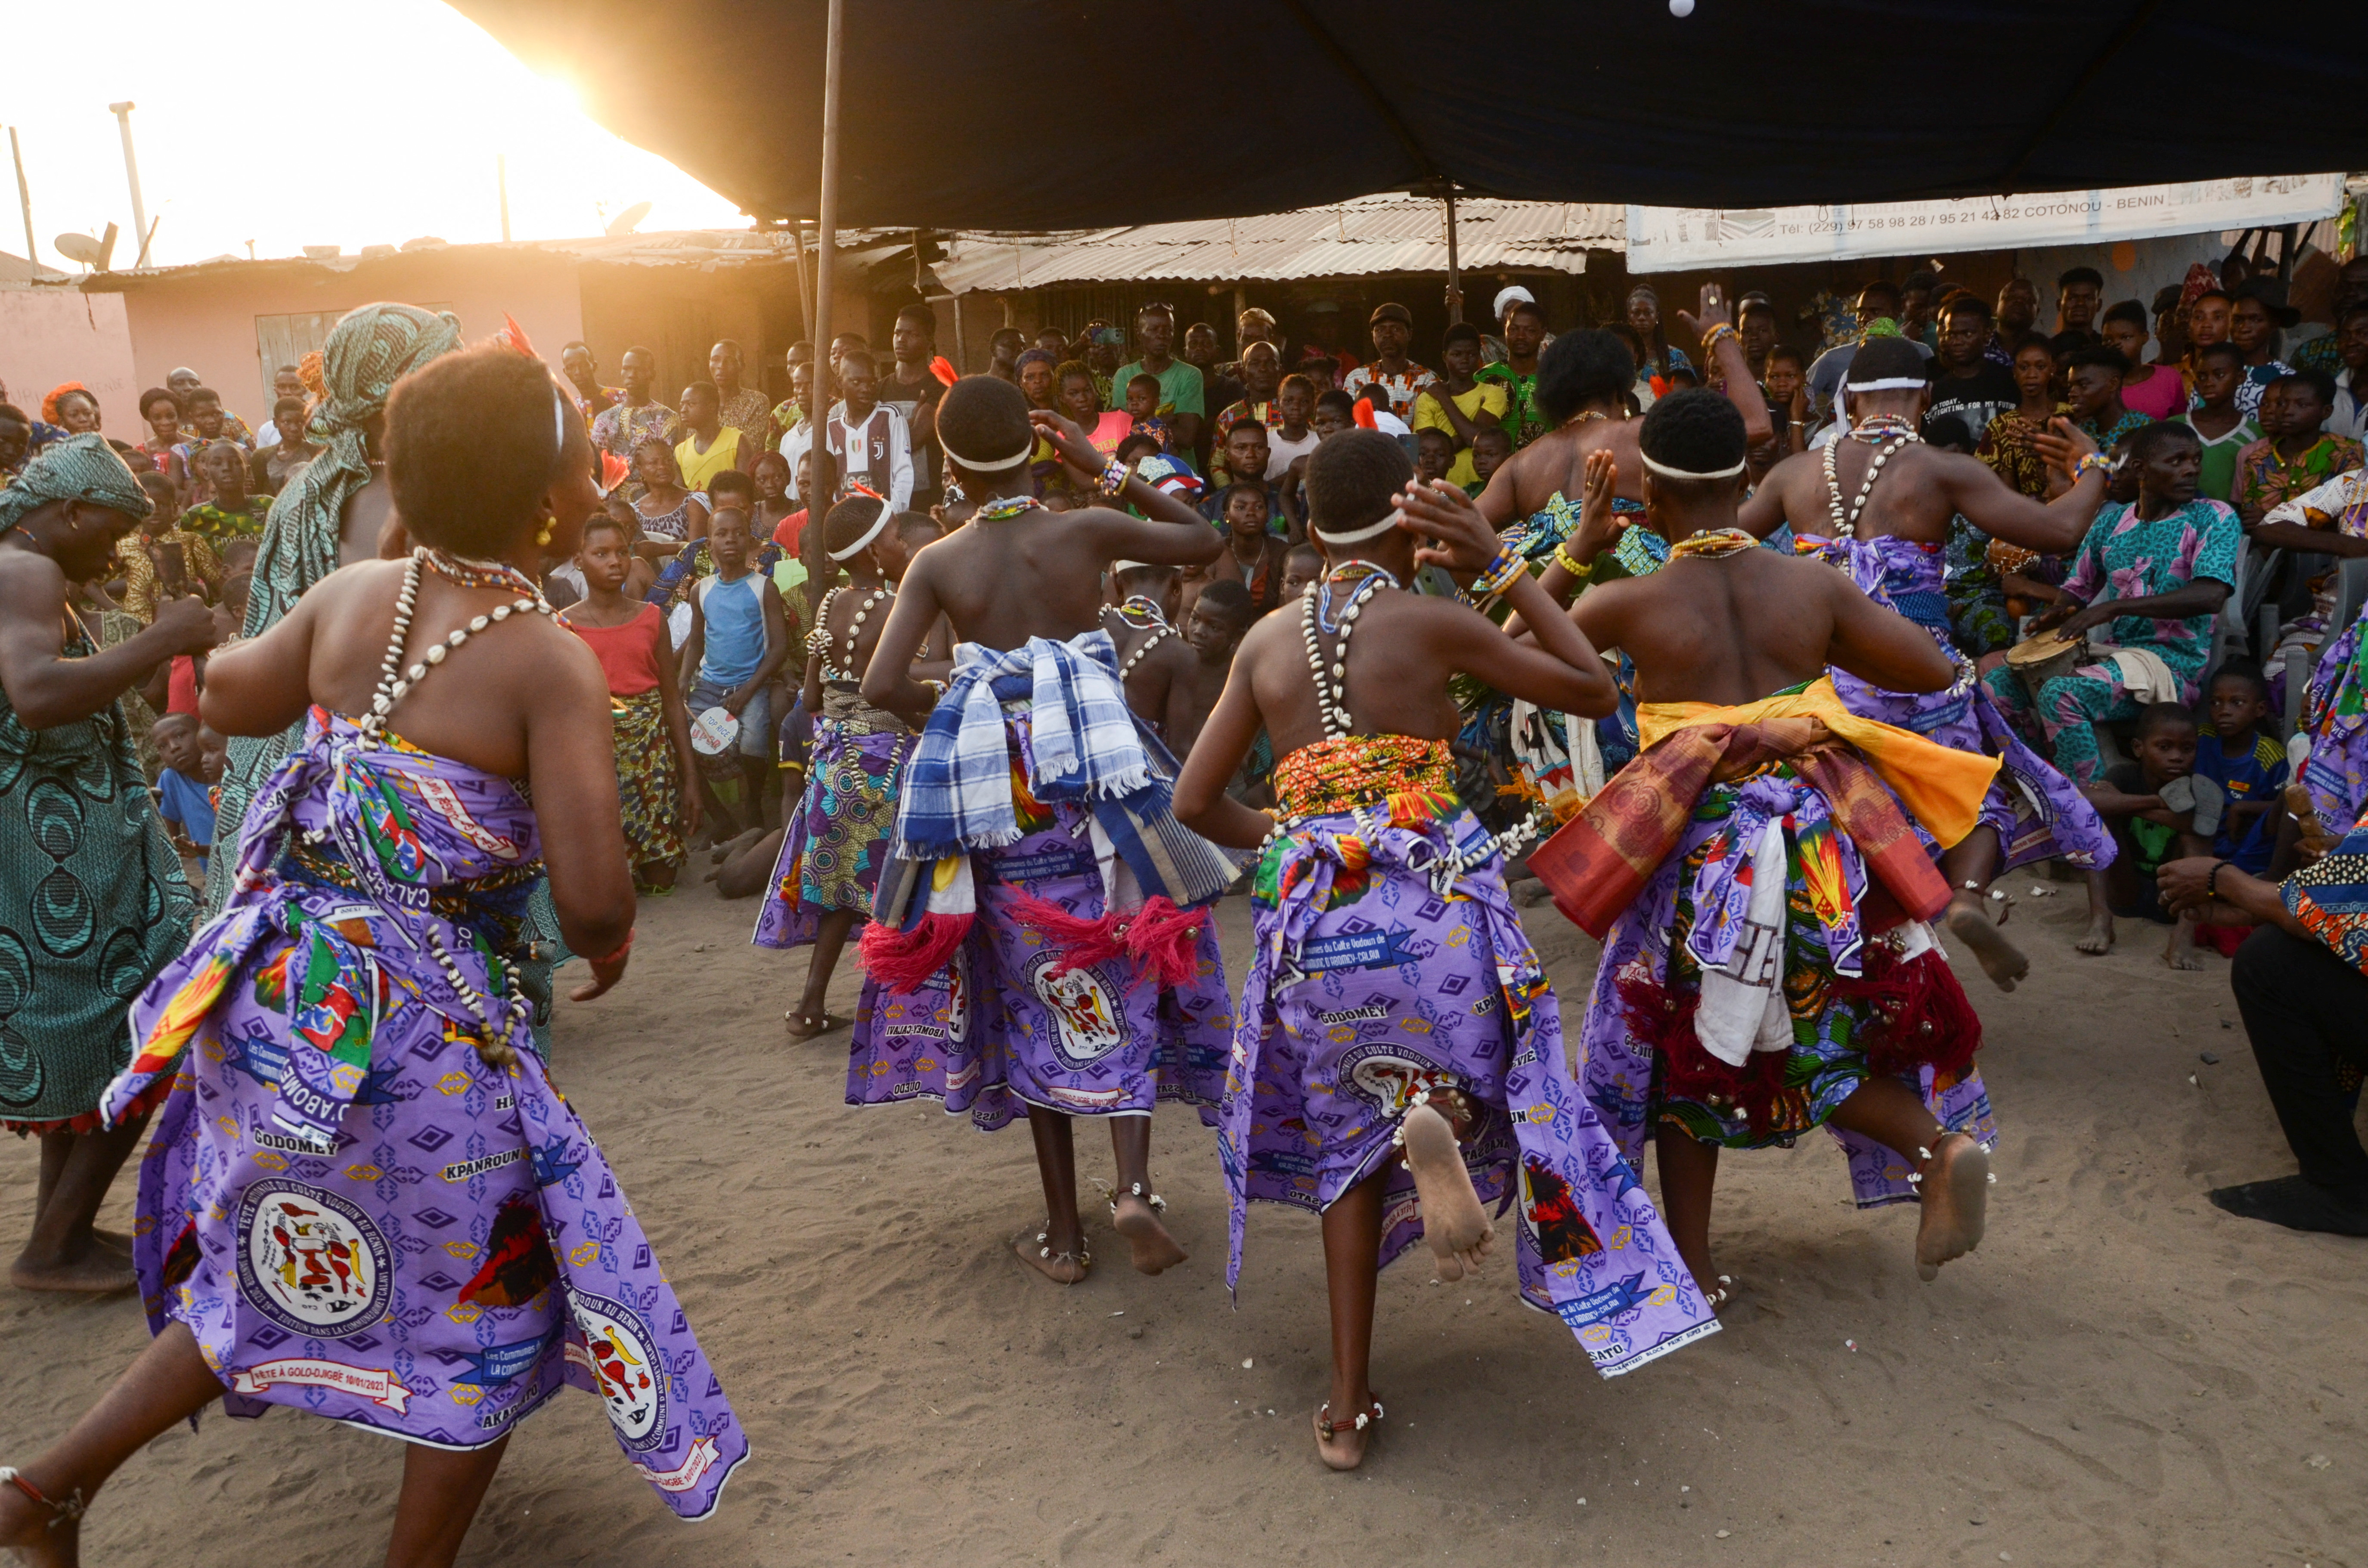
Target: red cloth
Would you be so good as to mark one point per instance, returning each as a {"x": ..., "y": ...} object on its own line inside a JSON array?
[
  {"x": 628, "y": 654},
  {"x": 786, "y": 531},
  {"x": 181, "y": 687}
]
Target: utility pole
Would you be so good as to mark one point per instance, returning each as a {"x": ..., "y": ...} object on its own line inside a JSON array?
[
  {"x": 502, "y": 185},
  {"x": 122, "y": 113},
  {"x": 825, "y": 478},
  {"x": 24, "y": 195}
]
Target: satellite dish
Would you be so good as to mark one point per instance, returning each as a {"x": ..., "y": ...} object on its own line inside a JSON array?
[
  {"x": 83, "y": 248},
  {"x": 624, "y": 223}
]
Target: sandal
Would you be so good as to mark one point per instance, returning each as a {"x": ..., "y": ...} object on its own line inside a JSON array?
[{"x": 63, "y": 1511}]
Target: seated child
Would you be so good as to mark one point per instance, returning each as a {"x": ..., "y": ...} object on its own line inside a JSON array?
[
  {"x": 2158, "y": 810},
  {"x": 2247, "y": 763},
  {"x": 1491, "y": 445},
  {"x": 1254, "y": 556}
]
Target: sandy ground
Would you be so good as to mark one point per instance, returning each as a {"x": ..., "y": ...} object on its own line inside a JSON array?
[{"x": 2122, "y": 1375}]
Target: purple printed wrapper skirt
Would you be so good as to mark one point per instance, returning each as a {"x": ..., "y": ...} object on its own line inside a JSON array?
[
  {"x": 994, "y": 1031},
  {"x": 354, "y": 1212},
  {"x": 837, "y": 841},
  {"x": 1381, "y": 970}
]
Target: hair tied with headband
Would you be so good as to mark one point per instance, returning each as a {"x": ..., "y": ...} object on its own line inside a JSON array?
[
  {"x": 1666, "y": 472},
  {"x": 1888, "y": 383},
  {"x": 861, "y": 545},
  {"x": 1359, "y": 536},
  {"x": 995, "y": 466}
]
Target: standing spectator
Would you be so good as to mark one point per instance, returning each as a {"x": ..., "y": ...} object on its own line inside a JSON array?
[
  {"x": 778, "y": 512},
  {"x": 583, "y": 373},
  {"x": 1253, "y": 325},
  {"x": 2255, "y": 316},
  {"x": 2295, "y": 455},
  {"x": 82, "y": 880},
  {"x": 1517, "y": 371},
  {"x": 1054, "y": 341},
  {"x": 671, "y": 516},
  {"x": 2008, "y": 445},
  {"x": 2325, "y": 351},
  {"x": 2080, "y": 290},
  {"x": 163, "y": 560},
  {"x": 2349, "y": 415},
  {"x": 797, "y": 364},
  {"x": 228, "y": 511},
  {"x": 285, "y": 382},
  {"x": 708, "y": 446},
  {"x": 1074, "y": 391},
  {"x": 2225, "y": 430},
  {"x": 71, "y": 408},
  {"x": 912, "y": 389},
  {"x": 211, "y": 423},
  {"x": 1003, "y": 351},
  {"x": 2169, "y": 326},
  {"x": 271, "y": 467},
  {"x": 1755, "y": 327},
  {"x": 2155, "y": 391},
  {"x": 739, "y": 637},
  {"x": 1201, "y": 349},
  {"x": 1103, "y": 343},
  {"x": 1643, "y": 317},
  {"x": 1262, "y": 379},
  {"x": 1389, "y": 379},
  {"x": 635, "y": 417},
  {"x": 739, "y": 407},
  {"x": 1968, "y": 385},
  {"x": 1183, "y": 405},
  {"x": 1458, "y": 403},
  {"x": 160, "y": 411},
  {"x": 1878, "y": 303},
  {"x": 868, "y": 438},
  {"x": 2092, "y": 384},
  {"x": 2017, "y": 316},
  {"x": 15, "y": 440},
  {"x": 1295, "y": 436},
  {"x": 1917, "y": 321}
]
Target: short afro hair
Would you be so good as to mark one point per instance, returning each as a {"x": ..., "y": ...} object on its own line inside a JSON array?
[
  {"x": 1581, "y": 366},
  {"x": 1351, "y": 478},
  {"x": 1229, "y": 598},
  {"x": 2149, "y": 440},
  {"x": 1695, "y": 431},
  {"x": 850, "y": 522},
  {"x": 2129, "y": 310},
  {"x": 2224, "y": 349},
  {"x": 1885, "y": 360},
  {"x": 2321, "y": 384},
  {"x": 470, "y": 449},
  {"x": 2159, "y": 716},
  {"x": 2103, "y": 356},
  {"x": 2239, "y": 667},
  {"x": 154, "y": 395},
  {"x": 985, "y": 418}
]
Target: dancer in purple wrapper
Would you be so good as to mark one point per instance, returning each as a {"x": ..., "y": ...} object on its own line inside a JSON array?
[
  {"x": 1876, "y": 502},
  {"x": 1040, "y": 944},
  {"x": 364, "y": 1198},
  {"x": 1400, "y": 1063},
  {"x": 836, "y": 839}
]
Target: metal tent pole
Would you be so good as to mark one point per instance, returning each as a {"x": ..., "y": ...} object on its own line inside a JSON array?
[
  {"x": 24, "y": 197},
  {"x": 826, "y": 481},
  {"x": 1454, "y": 270},
  {"x": 122, "y": 113}
]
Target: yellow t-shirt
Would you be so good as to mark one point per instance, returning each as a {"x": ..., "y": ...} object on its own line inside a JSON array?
[
  {"x": 699, "y": 467},
  {"x": 1485, "y": 397}
]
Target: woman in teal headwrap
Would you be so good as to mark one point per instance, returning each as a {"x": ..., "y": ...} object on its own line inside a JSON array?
[
  {"x": 331, "y": 513},
  {"x": 92, "y": 901}
]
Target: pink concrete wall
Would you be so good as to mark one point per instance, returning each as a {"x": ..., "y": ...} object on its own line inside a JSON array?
[
  {"x": 206, "y": 320},
  {"x": 49, "y": 336}
]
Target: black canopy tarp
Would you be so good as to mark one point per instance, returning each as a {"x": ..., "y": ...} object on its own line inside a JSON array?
[{"x": 1054, "y": 114}]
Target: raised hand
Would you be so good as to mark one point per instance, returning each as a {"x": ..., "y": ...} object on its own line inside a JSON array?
[
  {"x": 1599, "y": 526},
  {"x": 1068, "y": 439},
  {"x": 1461, "y": 539},
  {"x": 1713, "y": 313},
  {"x": 2063, "y": 444}
]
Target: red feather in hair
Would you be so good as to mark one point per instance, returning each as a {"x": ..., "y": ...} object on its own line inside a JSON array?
[
  {"x": 1365, "y": 414},
  {"x": 944, "y": 369},
  {"x": 614, "y": 470},
  {"x": 513, "y": 335}
]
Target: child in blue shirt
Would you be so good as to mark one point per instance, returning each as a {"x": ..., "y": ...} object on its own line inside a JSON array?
[
  {"x": 2247, "y": 763},
  {"x": 185, "y": 784}
]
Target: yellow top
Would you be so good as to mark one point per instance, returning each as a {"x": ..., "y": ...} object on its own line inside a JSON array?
[
  {"x": 699, "y": 467},
  {"x": 1488, "y": 397},
  {"x": 1941, "y": 787}
]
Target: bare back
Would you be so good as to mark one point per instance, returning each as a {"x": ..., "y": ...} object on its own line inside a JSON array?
[
  {"x": 1038, "y": 575},
  {"x": 1398, "y": 666},
  {"x": 1555, "y": 464},
  {"x": 1736, "y": 628},
  {"x": 1918, "y": 492}
]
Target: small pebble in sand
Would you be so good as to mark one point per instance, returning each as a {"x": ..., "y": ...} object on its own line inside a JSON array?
[
  {"x": 1850, "y": 1345},
  {"x": 1135, "y": 1333},
  {"x": 2319, "y": 1461},
  {"x": 1722, "y": 1535},
  {"x": 1246, "y": 1363},
  {"x": 2211, "y": 1059}
]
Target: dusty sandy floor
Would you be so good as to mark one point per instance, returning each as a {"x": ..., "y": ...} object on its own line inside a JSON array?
[{"x": 2122, "y": 1376}]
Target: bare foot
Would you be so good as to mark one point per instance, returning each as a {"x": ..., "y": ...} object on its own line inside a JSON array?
[
  {"x": 805, "y": 1026},
  {"x": 2099, "y": 938},
  {"x": 100, "y": 1270},
  {"x": 2180, "y": 952},
  {"x": 1035, "y": 1250},
  {"x": 1454, "y": 1225},
  {"x": 25, "y": 1528},
  {"x": 1341, "y": 1444},
  {"x": 1956, "y": 1193},
  {"x": 1971, "y": 924},
  {"x": 1155, "y": 1250}
]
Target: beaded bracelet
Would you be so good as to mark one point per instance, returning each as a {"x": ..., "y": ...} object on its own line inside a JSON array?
[
  {"x": 1564, "y": 559},
  {"x": 2098, "y": 461},
  {"x": 1499, "y": 574},
  {"x": 1114, "y": 477},
  {"x": 1713, "y": 337},
  {"x": 617, "y": 956}
]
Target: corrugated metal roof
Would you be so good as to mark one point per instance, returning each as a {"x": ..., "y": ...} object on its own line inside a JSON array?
[{"x": 1392, "y": 233}]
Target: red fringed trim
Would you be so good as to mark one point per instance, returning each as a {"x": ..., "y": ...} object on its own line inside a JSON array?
[
  {"x": 1160, "y": 939},
  {"x": 1918, "y": 1015},
  {"x": 904, "y": 961},
  {"x": 95, "y": 1118},
  {"x": 1688, "y": 1071}
]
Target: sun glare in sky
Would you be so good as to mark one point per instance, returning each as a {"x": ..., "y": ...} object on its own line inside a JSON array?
[{"x": 285, "y": 125}]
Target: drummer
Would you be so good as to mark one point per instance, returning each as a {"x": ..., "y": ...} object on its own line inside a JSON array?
[
  {"x": 740, "y": 633},
  {"x": 2155, "y": 572}
]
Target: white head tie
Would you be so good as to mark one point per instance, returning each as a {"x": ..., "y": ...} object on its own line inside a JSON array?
[
  {"x": 1889, "y": 383},
  {"x": 1359, "y": 536},
  {"x": 998, "y": 465},
  {"x": 1666, "y": 472},
  {"x": 853, "y": 551}
]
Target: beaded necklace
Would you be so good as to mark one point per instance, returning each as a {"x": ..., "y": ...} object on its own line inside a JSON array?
[
  {"x": 1874, "y": 432},
  {"x": 1140, "y": 613},
  {"x": 1713, "y": 544},
  {"x": 1004, "y": 507},
  {"x": 465, "y": 573},
  {"x": 1331, "y": 684}
]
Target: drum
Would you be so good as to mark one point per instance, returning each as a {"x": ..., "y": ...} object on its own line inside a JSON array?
[
  {"x": 2038, "y": 660},
  {"x": 713, "y": 731}
]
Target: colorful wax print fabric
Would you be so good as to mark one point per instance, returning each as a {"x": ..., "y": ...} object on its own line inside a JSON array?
[{"x": 835, "y": 842}]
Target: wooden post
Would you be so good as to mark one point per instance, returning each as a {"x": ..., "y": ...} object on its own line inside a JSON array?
[
  {"x": 1454, "y": 271},
  {"x": 826, "y": 478}
]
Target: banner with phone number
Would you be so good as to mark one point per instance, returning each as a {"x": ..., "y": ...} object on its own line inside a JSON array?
[{"x": 1667, "y": 239}]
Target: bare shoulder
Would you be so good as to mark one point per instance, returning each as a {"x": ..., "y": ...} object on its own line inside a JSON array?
[{"x": 26, "y": 575}]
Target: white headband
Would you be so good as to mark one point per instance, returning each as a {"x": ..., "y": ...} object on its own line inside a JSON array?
[
  {"x": 1666, "y": 472},
  {"x": 1888, "y": 383},
  {"x": 853, "y": 551},
  {"x": 558, "y": 420},
  {"x": 1359, "y": 536},
  {"x": 1021, "y": 456}
]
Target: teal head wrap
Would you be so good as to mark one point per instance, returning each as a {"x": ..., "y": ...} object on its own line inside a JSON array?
[{"x": 80, "y": 468}]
